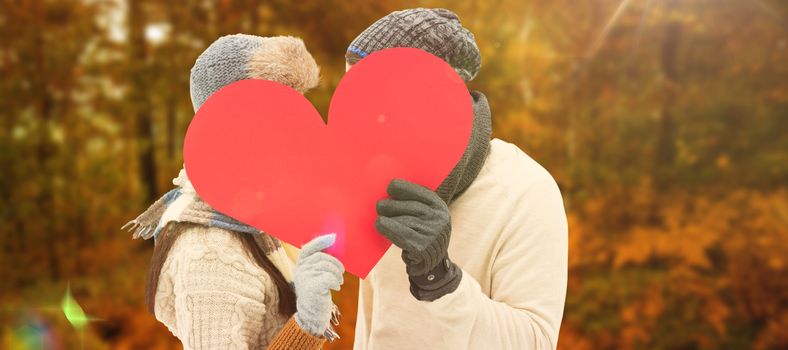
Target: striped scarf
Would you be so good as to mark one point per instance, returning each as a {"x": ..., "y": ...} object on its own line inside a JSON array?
[{"x": 182, "y": 204}]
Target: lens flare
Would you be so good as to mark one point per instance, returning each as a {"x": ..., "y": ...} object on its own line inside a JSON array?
[
  {"x": 74, "y": 313},
  {"x": 32, "y": 332},
  {"x": 602, "y": 37}
]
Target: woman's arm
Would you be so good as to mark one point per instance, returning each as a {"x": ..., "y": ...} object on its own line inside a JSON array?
[
  {"x": 316, "y": 274},
  {"x": 213, "y": 295}
]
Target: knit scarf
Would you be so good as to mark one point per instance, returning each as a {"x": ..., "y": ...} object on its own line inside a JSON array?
[
  {"x": 472, "y": 160},
  {"x": 182, "y": 204}
]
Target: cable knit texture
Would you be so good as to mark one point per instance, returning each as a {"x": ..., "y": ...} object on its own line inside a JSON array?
[
  {"x": 292, "y": 337},
  {"x": 212, "y": 294},
  {"x": 437, "y": 31}
]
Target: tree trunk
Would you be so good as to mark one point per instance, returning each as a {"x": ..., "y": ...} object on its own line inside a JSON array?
[
  {"x": 172, "y": 112},
  {"x": 665, "y": 150},
  {"x": 142, "y": 106},
  {"x": 254, "y": 17},
  {"x": 45, "y": 149}
]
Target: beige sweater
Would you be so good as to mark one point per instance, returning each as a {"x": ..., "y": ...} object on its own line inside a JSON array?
[
  {"x": 212, "y": 294},
  {"x": 509, "y": 236}
]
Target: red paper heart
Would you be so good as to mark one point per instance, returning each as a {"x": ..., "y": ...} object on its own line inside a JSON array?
[{"x": 259, "y": 151}]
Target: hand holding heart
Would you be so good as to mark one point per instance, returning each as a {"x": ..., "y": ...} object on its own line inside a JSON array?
[
  {"x": 417, "y": 220},
  {"x": 316, "y": 275},
  {"x": 259, "y": 152}
]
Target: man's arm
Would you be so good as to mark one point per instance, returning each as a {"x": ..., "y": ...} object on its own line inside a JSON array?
[
  {"x": 529, "y": 271},
  {"x": 529, "y": 277}
]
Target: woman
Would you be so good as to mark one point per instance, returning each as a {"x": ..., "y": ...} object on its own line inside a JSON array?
[{"x": 217, "y": 283}]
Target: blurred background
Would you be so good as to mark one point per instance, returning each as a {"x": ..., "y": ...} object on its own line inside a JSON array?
[{"x": 665, "y": 123}]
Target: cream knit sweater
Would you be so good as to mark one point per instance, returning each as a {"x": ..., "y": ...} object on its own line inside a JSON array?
[
  {"x": 509, "y": 236},
  {"x": 213, "y": 295}
]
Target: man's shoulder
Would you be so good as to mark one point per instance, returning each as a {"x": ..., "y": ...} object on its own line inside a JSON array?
[{"x": 508, "y": 162}]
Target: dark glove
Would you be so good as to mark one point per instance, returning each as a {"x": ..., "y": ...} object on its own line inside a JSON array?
[{"x": 417, "y": 220}]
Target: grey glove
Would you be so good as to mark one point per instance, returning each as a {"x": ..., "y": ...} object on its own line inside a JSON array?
[
  {"x": 317, "y": 273},
  {"x": 417, "y": 220}
]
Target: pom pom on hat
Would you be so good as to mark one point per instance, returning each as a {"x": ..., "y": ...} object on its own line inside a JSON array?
[{"x": 285, "y": 60}]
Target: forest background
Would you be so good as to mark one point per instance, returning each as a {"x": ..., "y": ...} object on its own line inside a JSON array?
[{"x": 664, "y": 123}]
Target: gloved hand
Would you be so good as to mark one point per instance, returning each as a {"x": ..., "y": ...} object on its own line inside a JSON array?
[
  {"x": 316, "y": 274},
  {"x": 417, "y": 220}
]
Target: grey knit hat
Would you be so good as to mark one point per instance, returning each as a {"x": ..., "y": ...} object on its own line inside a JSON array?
[
  {"x": 437, "y": 31},
  {"x": 231, "y": 58}
]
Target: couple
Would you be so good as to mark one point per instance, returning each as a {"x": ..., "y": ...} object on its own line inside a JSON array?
[{"x": 479, "y": 264}]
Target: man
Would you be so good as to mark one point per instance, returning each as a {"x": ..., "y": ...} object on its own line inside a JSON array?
[{"x": 482, "y": 262}]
